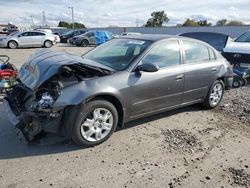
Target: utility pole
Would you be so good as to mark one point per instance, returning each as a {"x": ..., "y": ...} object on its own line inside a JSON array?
[
  {"x": 72, "y": 12},
  {"x": 44, "y": 19},
  {"x": 32, "y": 22}
]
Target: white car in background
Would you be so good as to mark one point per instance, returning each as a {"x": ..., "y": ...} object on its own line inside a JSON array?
[
  {"x": 28, "y": 39},
  {"x": 238, "y": 51}
]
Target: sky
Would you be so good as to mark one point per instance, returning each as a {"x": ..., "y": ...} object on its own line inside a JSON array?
[{"x": 124, "y": 13}]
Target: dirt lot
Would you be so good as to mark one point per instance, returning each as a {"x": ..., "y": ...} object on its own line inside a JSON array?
[{"x": 189, "y": 147}]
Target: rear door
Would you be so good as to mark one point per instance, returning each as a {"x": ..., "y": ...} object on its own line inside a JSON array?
[
  {"x": 153, "y": 92},
  {"x": 37, "y": 38},
  {"x": 201, "y": 70}
]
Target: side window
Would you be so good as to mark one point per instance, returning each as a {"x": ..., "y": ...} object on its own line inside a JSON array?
[
  {"x": 25, "y": 34},
  {"x": 37, "y": 34},
  {"x": 211, "y": 54},
  {"x": 164, "y": 54},
  {"x": 195, "y": 52}
]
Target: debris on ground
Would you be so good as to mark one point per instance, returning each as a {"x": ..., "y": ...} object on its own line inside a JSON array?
[
  {"x": 240, "y": 177},
  {"x": 181, "y": 140},
  {"x": 236, "y": 102}
]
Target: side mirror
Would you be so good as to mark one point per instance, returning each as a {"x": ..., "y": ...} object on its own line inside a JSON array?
[
  {"x": 147, "y": 67},
  {"x": 18, "y": 36}
]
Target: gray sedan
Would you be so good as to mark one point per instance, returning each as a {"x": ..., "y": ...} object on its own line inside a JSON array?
[
  {"x": 122, "y": 80},
  {"x": 28, "y": 39}
]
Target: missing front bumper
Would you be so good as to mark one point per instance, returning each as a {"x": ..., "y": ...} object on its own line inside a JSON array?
[{"x": 31, "y": 124}]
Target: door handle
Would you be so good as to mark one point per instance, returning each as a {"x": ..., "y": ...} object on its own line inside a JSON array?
[{"x": 179, "y": 77}]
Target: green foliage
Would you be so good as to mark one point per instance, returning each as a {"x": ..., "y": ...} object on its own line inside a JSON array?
[
  {"x": 190, "y": 22},
  {"x": 193, "y": 23},
  {"x": 70, "y": 25},
  {"x": 204, "y": 23},
  {"x": 221, "y": 22},
  {"x": 235, "y": 23},
  {"x": 157, "y": 19},
  {"x": 64, "y": 24}
]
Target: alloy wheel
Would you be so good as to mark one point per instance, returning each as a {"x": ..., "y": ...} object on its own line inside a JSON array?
[
  {"x": 216, "y": 94},
  {"x": 97, "y": 125}
]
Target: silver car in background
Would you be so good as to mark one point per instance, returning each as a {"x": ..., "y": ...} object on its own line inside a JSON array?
[{"x": 28, "y": 39}]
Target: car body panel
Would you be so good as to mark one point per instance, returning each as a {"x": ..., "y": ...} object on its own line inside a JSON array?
[{"x": 43, "y": 64}]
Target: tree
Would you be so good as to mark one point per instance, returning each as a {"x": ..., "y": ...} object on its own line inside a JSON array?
[
  {"x": 64, "y": 24},
  {"x": 70, "y": 25},
  {"x": 204, "y": 23},
  {"x": 235, "y": 23},
  {"x": 221, "y": 22},
  {"x": 78, "y": 25},
  {"x": 157, "y": 19},
  {"x": 190, "y": 22}
]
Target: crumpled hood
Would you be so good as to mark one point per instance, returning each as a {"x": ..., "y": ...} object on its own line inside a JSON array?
[
  {"x": 43, "y": 64},
  {"x": 238, "y": 47}
]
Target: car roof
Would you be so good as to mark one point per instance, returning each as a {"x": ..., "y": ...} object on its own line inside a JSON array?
[{"x": 151, "y": 37}]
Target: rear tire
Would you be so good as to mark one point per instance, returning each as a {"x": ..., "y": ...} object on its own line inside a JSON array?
[
  {"x": 12, "y": 44},
  {"x": 48, "y": 44},
  {"x": 237, "y": 82},
  {"x": 95, "y": 122},
  {"x": 214, "y": 95}
]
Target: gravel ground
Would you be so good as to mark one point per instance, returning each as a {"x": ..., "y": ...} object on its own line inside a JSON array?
[
  {"x": 188, "y": 147},
  {"x": 236, "y": 103}
]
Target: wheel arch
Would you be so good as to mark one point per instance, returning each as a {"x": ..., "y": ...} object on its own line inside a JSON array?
[
  {"x": 113, "y": 100},
  {"x": 12, "y": 40}
]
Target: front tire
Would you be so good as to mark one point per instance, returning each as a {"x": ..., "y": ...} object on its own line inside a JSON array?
[
  {"x": 214, "y": 95},
  {"x": 95, "y": 123},
  {"x": 12, "y": 44},
  {"x": 84, "y": 43}
]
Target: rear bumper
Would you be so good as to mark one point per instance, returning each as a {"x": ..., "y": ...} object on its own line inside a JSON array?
[{"x": 234, "y": 57}]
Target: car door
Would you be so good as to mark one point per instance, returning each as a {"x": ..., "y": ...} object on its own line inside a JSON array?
[
  {"x": 156, "y": 91},
  {"x": 201, "y": 70},
  {"x": 24, "y": 39},
  {"x": 37, "y": 38}
]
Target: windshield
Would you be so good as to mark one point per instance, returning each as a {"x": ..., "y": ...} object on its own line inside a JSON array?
[
  {"x": 244, "y": 38},
  {"x": 118, "y": 53}
]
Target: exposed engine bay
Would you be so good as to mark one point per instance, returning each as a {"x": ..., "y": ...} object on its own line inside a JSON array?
[{"x": 34, "y": 109}]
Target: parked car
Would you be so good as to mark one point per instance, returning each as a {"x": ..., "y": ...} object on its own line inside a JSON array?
[
  {"x": 119, "y": 81},
  {"x": 238, "y": 51},
  {"x": 91, "y": 38},
  {"x": 28, "y": 39},
  {"x": 217, "y": 40},
  {"x": 64, "y": 37}
]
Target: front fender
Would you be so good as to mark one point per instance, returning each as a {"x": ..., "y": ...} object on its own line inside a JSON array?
[{"x": 82, "y": 92}]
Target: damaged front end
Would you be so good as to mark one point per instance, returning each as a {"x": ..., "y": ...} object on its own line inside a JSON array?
[{"x": 29, "y": 103}]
